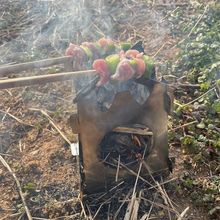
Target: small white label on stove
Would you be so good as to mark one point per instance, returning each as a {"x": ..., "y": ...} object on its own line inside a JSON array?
[{"x": 75, "y": 149}]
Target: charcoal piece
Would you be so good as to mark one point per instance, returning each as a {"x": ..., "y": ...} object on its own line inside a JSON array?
[{"x": 138, "y": 46}]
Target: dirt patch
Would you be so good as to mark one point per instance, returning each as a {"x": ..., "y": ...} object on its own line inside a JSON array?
[{"x": 39, "y": 157}]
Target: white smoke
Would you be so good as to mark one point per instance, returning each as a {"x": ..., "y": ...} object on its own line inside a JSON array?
[{"x": 47, "y": 27}]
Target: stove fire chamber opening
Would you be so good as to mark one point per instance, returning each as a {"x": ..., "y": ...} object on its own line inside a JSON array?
[{"x": 126, "y": 146}]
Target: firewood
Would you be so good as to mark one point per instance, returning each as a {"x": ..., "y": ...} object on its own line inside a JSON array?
[{"x": 133, "y": 131}]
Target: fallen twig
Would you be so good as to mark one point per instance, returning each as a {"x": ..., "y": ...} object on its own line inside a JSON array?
[
  {"x": 139, "y": 171},
  {"x": 160, "y": 205},
  {"x": 169, "y": 200},
  {"x": 200, "y": 18},
  {"x": 3, "y": 118},
  {"x": 98, "y": 211},
  {"x": 133, "y": 206},
  {"x": 17, "y": 119},
  {"x": 158, "y": 51},
  {"x": 82, "y": 207},
  {"x": 12, "y": 216},
  {"x": 110, "y": 190},
  {"x": 194, "y": 100},
  {"x": 60, "y": 217},
  {"x": 19, "y": 187},
  {"x": 117, "y": 212},
  {"x": 188, "y": 85},
  {"x": 52, "y": 123},
  {"x": 164, "y": 195},
  {"x": 182, "y": 126},
  {"x": 118, "y": 168},
  {"x": 135, "y": 174},
  {"x": 163, "y": 183},
  {"x": 183, "y": 213},
  {"x": 193, "y": 28},
  {"x": 8, "y": 155},
  {"x": 146, "y": 216},
  {"x": 168, "y": 14}
]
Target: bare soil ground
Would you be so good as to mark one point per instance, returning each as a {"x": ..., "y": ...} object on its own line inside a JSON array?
[{"x": 35, "y": 151}]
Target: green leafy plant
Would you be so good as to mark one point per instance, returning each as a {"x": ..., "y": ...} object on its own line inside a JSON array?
[{"x": 199, "y": 62}]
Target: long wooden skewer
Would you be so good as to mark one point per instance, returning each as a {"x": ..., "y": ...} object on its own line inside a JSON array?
[
  {"x": 16, "y": 68},
  {"x": 33, "y": 80}
]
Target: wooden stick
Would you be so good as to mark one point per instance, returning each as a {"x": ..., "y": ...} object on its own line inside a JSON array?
[
  {"x": 184, "y": 125},
  {"x": 16, "y": 68},
  {"x": 188, "y": 85},
  {"x": 134, "y": 173},
  {"x": 159, "y": 205},
  {"x": 129, "y": 130},
  {"x": 19, "y": 187},
  {"x": 17, "y": 119},
  {"x": 194, "y": 100},
  {"x": 183, "y": 213},
  {"x": 52, "y": 123},
  {"x": 33, "y": 80}
]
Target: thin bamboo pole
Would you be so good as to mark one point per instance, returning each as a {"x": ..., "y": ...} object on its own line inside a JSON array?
[
  {"x": 16, "y": 68},
  {"x": 33, "y": 80}
]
